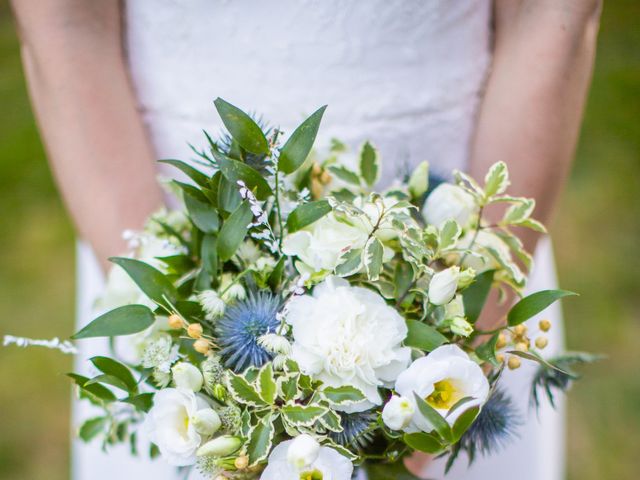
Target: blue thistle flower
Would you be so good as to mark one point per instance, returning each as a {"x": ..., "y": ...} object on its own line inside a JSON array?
[
  {"x": 356, "y": 429},
  {"x": 242, "y": 325}
]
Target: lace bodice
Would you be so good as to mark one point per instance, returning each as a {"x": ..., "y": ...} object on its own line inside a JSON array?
[{"x": 405, "y": 74}]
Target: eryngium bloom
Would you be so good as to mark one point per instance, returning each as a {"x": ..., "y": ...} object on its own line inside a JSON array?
[{"x": 242, "y": 325}]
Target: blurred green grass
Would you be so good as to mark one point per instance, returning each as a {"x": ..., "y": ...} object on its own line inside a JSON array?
[{"x": 597, "y": 231}]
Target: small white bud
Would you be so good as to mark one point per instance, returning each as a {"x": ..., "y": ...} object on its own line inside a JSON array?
[
  {"x": 460, "y": 326},
  {"x": 220, "y": 446},
  {"x": 303, "y": 451},
  {"x": 447, "y": 202},
  {"x": 206, "y": 421},
  {"x": 187, "y": 376},
  {"x": 397, "y": 413},
  {"x": 443, "y": 286}
]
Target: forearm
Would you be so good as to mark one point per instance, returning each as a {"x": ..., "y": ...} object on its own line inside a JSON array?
[
  {"x": 532, "y": 109},
  {"x": 86, "y": 112}
]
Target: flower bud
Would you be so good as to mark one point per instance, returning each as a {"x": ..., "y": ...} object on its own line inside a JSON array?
[
  {"x": 194, "y": 330},
  {"x": 187, "y": 376},
  {"x": 303, "y": 451},
  {"x": 211, "y": 303},
  {"x": 397, "y": 413},
  {"x": 520, "y": 330},
  {"x": 448, "y": 202},
  {"x": 206, "y": 421},
  {"x": 500, "y": 358},
  {"x": 219, "y": 392},
  {"x": 545, "y": 325},
  {"x": 201, "y": 346},
  {"x": 513, "y": 363},
  {"x": 502, "y": 341},
  {"x": 459, "y": 326},
  {"x": 522, "y": 346},
  {"x": 175, "y": 322},
  {"x": 220, "y": 446},
  {"x": 443, "y": 286},
  {"x": 466, "y": 277},
  {"x": 419, "y": 180},
  {"x": 241, "y": 462},
  {"x": 541, "y": 342}
]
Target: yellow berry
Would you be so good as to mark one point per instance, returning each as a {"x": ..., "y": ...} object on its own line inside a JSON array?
[
  {"x": 194, "y": 330},
  {"x": 241, "y": 462},
  {"x": 502, "y": 341},
  {"x": 541, "y": 342},
  {"x": 522, "y": 346},
  {"x": 520, "y": 330},
  {"x": 500, "y": 358},
  {"x": 175, "y": 322},
  {"x": 545, "y": 325},
  {"x": 201, "y": 346},
  {"x": 513, "y": 363}
]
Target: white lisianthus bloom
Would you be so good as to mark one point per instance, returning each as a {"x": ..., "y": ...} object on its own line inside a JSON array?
[
  {"x": 187, "y": 376},
  {"x": 442, "y": 378},
  {"x": 169, "y": 426},
  {"x": 328, "y": 464},
  {"x": 447, "y": 202},
  {"x": 398, "y": 412},
  {"x": 344, "y": 335},
  {"x": 443, "y": 286},
  {"x": 303, "y": 451}
]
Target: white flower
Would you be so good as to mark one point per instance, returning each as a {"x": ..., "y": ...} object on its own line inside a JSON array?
[
  {"x": 212, "y": 304},
  {"x": 329, "y": 465},
  {"x": 303, "y": 451},
  {"x": 460, "y": 326},
  {"x": 442, "y": 378},
  {"x": 158, "y": 351},
  {"x": 220, "y": 446},
  {"x": 187, "y": 376},
  {"x": 446, "y": 202},
  {"x": 398, "y": 412},
  {"x": 344, "y": 335},
  {"x": 169, "y": 425},
  {"x": 275, "y": 343},
  {"x": 443, "y": 286},
  {"x": 206, "y": 421}
]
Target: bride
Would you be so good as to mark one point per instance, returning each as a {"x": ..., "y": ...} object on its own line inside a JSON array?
[{"x": 460, "y": 83}]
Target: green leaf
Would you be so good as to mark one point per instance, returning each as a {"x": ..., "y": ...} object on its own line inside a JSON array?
[
  {"x": 142, "y": 402},
  {"x": 423, "y": 337},
  {"x": 195, "y": 175},
  {"x": 91, "y": 428},
  {"x": 344, "y": 174},
  {"x": 537, "y": 358},
  {"x": 228, "y": 195},
  {"x": 331, "y": 421},
  {"x": 260, "y": 440},
  {"x": 302, "y": 415},
  {"x": 534, "y": 304},
  {"x": 296, "y": 150},
  {"x": 276, "y": 275},
  {"x": 116, "y": 369},
  {"x": 350, "y": 263},
  {"x": 475, "y": 295},
  {"x": 243, "y": 392},
  {"x": 242, "y": 128},
  {"x": 289, "y": 387},
  {"x": 235, "y": 171},
  {"x": 209, "y": 253},
  {"x": 372, "y": 258},
  {"x": 234, "y": 230},
  {"x": 449, "y": 233},
  {"x": 402, "y": 279},
  {"x": 423, "y": 442},
  {"x": 369, "y": 164},
  {"x": 95, "y": 389},
  {"x": 108, "y": 380},
  {"x": 120, "y": 321},
  {"x": 497, "y": 180},
  {"x": 436, "y": 420},
  {"x": 388, "y": 471},
  {"x": 463, "y": 422},
  {"x": 203, "y": 215},
  {"x": 487, "y": 351},
  {"x": 519, "y": 212},
  {"x": 345, "y": 395},
  {"x": 267, "y": 384},
  {"x": 306, "y": 214},
  {"x": 152, "y": 282}
]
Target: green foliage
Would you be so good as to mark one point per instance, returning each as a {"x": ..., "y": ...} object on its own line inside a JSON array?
[
  {"x": 120, "y": 321},
  {"x": 534, "y": 304},
  {"x": 233, "y": 231},
  {"x": 369, "y": 164},
  {"x": 475, "y": 295},
  {"x": 235, "y": 171},
  {"x": 423, "y": 337},
  {"x": 297, "y": 148},
  {"x": 242, "y": 128},
  {"x": 151, "y": 281},
  {"x": 306, "y": 214}
]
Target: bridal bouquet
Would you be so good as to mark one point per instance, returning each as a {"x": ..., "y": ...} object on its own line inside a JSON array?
[{"x": 291, "y": 322}]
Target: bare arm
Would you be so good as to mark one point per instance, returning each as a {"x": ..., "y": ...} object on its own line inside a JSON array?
[
  {"x": 85, "y": 107},
  {"x": 531, "y": 113}
]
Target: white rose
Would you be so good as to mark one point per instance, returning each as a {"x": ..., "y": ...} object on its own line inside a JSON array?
[
  {"x": 447, "y": 202},
  {"x": 303, "y": 451},
  {"x": 169, "y": 426},
  {"x": 344, "y": 335},
  {"x": 443, "y": 286},
  {"x": 206, "y": 421},
  {"x": 442, "y": 378},
  {"x": 187, "y": 376},
  {"x": 398, "y": 412},
  {"x": 329, "y": 464},
  {"x": 320, "y": 245}
]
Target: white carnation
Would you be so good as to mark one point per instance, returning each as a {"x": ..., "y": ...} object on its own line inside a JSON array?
[{"x": 344, "y": 335}]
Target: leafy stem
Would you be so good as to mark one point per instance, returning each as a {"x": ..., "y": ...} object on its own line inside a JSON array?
[{"x": 475, "y": 235}]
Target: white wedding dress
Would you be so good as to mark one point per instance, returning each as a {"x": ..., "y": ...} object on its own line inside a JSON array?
[{"x": 406, "y": 74}]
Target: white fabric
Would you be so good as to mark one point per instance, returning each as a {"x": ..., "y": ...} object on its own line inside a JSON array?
[{"x": 406, "y": 74}]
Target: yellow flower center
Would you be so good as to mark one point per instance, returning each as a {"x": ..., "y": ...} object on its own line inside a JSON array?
[
  {"x": 311, "y": 475},
  {"x": 444, "y": 395}
]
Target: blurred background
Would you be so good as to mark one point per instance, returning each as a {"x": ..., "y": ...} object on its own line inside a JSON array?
[{"x": 596, "y": 233}]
